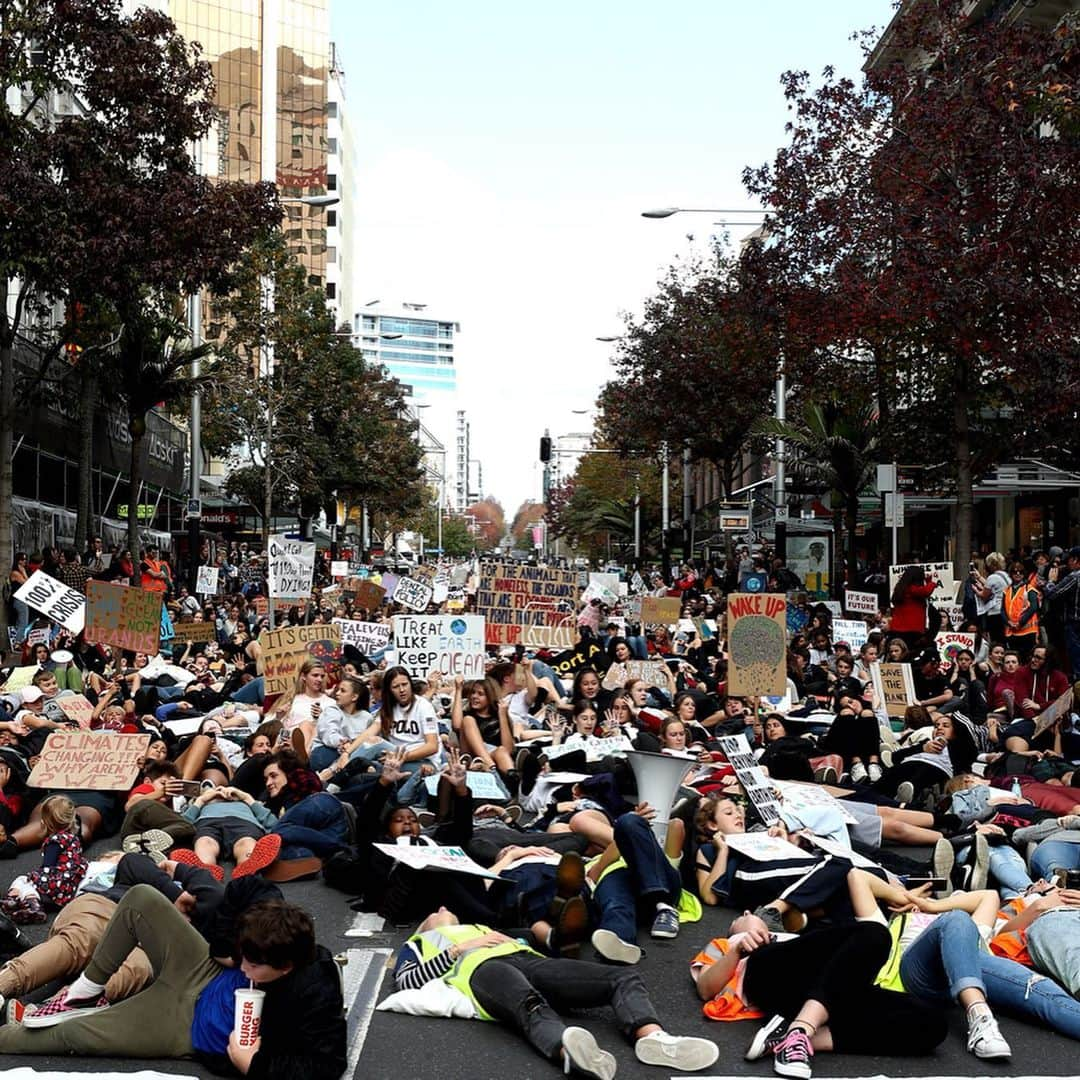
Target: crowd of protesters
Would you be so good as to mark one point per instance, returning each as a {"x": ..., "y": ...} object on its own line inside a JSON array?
[{"x": 927, "y": 858}]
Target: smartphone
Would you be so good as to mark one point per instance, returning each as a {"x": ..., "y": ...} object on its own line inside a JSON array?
[
  {"x": 917, "y": 881},
  {"x": 192, "y": 789}
]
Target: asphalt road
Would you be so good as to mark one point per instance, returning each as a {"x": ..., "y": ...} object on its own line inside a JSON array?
[{"x": 391, "y": 1046}]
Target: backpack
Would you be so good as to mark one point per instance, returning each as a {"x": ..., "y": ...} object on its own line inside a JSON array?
[{"x": 346, "y": 872}]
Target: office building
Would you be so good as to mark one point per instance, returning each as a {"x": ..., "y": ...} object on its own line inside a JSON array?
[
  {"x": 415, "y": 349},
  {"x": 341, "y": 180}
]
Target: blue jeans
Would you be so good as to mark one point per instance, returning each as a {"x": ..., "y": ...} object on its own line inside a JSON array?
[
  {"x": 541, "y": 670},
  {"x": 1051, "y": 853},
  {"x": 647, "y": 876},
  {"x": 322, "y": 757},
  {"x": 1007, "y": 869},
  {"x": 315, "y": 825},
  {"x": 946, "y": 959},
  {"x": 371, "y": 751},
  {"x": 170, "y": 693},
  {"x": 1072, "y": 644},
  {"x": 251, "y": 693}
]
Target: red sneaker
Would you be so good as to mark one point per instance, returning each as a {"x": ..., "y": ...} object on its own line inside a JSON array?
[
  {"x": 58, "y": 1009},
  {"x": 263, "y": 854},
  {"x": 189, "y": 858}
]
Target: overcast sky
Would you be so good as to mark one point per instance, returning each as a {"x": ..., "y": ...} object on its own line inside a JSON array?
[{"x": 505, "y": 152}]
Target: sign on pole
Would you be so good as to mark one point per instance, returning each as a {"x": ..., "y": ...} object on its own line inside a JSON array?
[
  {"x": 291, "y": 568},
  {"x": 451, "y": 644},
  {"x": 53, "y": 598},
  {"x": 89, "y": 761},
  {"x": 757, "y": 644},
  {"x": 124, "y": 617}
]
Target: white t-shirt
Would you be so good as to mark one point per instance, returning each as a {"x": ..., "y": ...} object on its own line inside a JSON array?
[
  {"x": 300, "y": 710},
  {"x": 997, "y": 583},
  {"x": 410, "y": 727}
]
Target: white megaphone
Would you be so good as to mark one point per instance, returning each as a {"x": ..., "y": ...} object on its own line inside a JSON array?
[{"x": 658, "y": 779}]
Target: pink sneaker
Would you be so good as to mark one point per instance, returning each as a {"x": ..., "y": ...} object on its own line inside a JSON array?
[{"x": 58, "y": 1009}]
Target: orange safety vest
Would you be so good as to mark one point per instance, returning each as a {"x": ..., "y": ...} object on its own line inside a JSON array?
[
  {"x": 1016, "y": 605},
  {"x": 727, "y": 1005},
  {"x": 1013, "y": 944},
  {"x": 152, "y": 584}
]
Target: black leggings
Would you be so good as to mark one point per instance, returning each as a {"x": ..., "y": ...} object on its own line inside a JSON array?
[
  {"x": 922, "y": 775},
  {"x": 528, "y": 992},
  {"x": 852, "y": 737},
  {"x": 837, "y": 967}
]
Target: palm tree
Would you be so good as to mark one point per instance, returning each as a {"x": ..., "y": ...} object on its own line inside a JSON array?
[
  {"x": 836, "y": 440},
  {"x": 150, "y": 367}
]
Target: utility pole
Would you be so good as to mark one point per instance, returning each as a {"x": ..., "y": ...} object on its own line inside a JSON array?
[
  {"x": 779, "y": 463},
  {"x": 665, "y": 512},
  {"x": 194, "y": 515}
]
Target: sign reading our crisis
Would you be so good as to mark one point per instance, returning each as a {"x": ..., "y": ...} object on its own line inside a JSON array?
[
  {"x": 757, "y": 644},
  {"x": 89, "y": 761},
  {"x": 450, "y": 644},
  {"x": 512, "y": 597},
  {"x": 122, "y": 616}
]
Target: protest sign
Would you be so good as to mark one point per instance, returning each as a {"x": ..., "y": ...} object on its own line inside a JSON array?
[
  {"x": 637, "y": 583},
  {"x": 433, "y": 857},
  {"x": 339, "y": 568},
  {"x": 450, "y": 644},
  {"x": 566, "y": 664},
  {"x": 752, "y": 777},
  {"x": 562, "y": 636},
  {"x": 757, "y": 644},
  {"x": 602, "y": 587},
  {"x": 797, "y": 618},
  {"x": 367, "y": 594},
  {"x": 1050, "y": 715},
  {"x": 660, "y": 609},
  {"x": 949, "y": 644},
  {"x": 860, "y": 603},
  {"x": 413, "y": 593},
  {"x": 595, "y": 748},
  {"x": 38, "y": 636},
  {"x": 389, "y": 583},
  {"x": 284, "y": 650},
  {"x": 940, "y": 573},
  {"x": 89, "y": 760},
  {"x": 194, "y": 631},
  {"x": 122, "y": 616},
  {"x": 513, "y": 597},
  {"x": 834, "y": 608},
  {"x": 206, "y": 582},
  {"x": 440, "y": 586},
  {"x": 481, "y": 785},
  {"x": 367, "y": 637},
  {"x": 53, "y": 598},
  {"x": 76, "y": 707},
  {"x": 798, "y": 797},
  {"x": 654, "y": 672},
  {"x": 761, "y": 847},
  {"x": 894, "y": 686},
  {"x": 853, "y": 631},
  {"x": 954, "y": 613},
  {"x": 291, "y": 567},
  {"x": 20, "y": 677},
  {"x": 631, "y": 608}
]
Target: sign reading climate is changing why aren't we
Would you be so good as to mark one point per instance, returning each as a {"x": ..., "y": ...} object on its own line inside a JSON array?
[
  {"x": 89, "y": 761},
  {"x": 757, "y": 644},
  {"x": 450, "y": 644}
]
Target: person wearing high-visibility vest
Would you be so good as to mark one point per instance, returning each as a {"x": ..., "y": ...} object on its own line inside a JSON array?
[
  {"x": 1020, "y": 606},
  {"x": 501, "y": 978}
]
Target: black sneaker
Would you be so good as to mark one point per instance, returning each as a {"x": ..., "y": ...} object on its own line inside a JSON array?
[
  {"x": 12, "y": 940},
  {"x": 768, "y": 1038}
]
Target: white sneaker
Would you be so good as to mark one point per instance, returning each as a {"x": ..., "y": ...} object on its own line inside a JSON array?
[
  {"x": 873, "y": 771},
  {"x": 582, "y": 1055},
  {"x": 985, "y": 1041},
  {"x": 685, "y": 1053},
  {"x": 858, "y": 773},
  {"x": 612, "y": 947}
]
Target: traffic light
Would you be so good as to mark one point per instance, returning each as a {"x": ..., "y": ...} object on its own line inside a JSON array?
[{"x": 545, "y": 448}]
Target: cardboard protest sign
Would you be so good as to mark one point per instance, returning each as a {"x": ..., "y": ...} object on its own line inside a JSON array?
[
  {"x": 451, "y": 644},
  {"x": 752, "y": 777},
  {"x": 412, "y": 593},
  {"x": 761, "y": 847},
  {"x": 798, "y": 797},
  {"x": 894, "y": 686},
  {"x": 285, "y": 650},
  {"x": 566, "y": 664},
  {"x": 654, "y": 672},
  {"x": 76, "y": 707},
  {"x": 512, "y": 597},
  {"x": 20, "y": 677},
  {"x": 194, "y": 631},
  {"x": 941, "y": 573},
  {"x": 206, "y": 582},
  {"x": 53, "y": 598},
  {"x": 89, "y": 761},
  {"x": 367, "y": 637},
  {"x": 949, "y": 644},
  {"x": 660, "y": 609},
  {"x": 425, "y": 857},
  {"x": 757, "y": 644},
  {"x": 367, "y": 594},
  {"x": 797, "y": 618},
  {"x": 853, "y": 631},
  {"x": 560, "y": 637},
  {"x": 860, "y": 603},
  {"x": 290, "y": 568},
  {"x": 122, "y": 616},
  {"x": 1053, "y": 713}
]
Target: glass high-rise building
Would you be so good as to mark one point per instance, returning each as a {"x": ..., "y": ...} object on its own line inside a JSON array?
[
  {"x": 279, "y": 134},
  {"x": 417, "y": 350}
]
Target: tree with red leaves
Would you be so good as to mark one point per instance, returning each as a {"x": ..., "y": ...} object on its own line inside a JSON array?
[{"x": 925, "y": 233}]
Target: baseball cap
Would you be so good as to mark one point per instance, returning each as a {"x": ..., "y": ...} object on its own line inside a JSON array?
[
  {"x": 927, "y": 656},
  {"x": 1074, "y": 553},
  {"x": 30, "y": 693}
]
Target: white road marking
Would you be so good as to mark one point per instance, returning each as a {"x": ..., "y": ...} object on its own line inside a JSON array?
[{"x": 363, "y": 977}]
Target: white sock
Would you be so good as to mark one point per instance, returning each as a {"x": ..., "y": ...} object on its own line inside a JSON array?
[
  {"x": 877, "y": 917},
  {"x": 83, "y": 988}
]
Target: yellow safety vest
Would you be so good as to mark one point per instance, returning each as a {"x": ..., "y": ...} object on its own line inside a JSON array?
[{"x": 432, "y": 942}]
